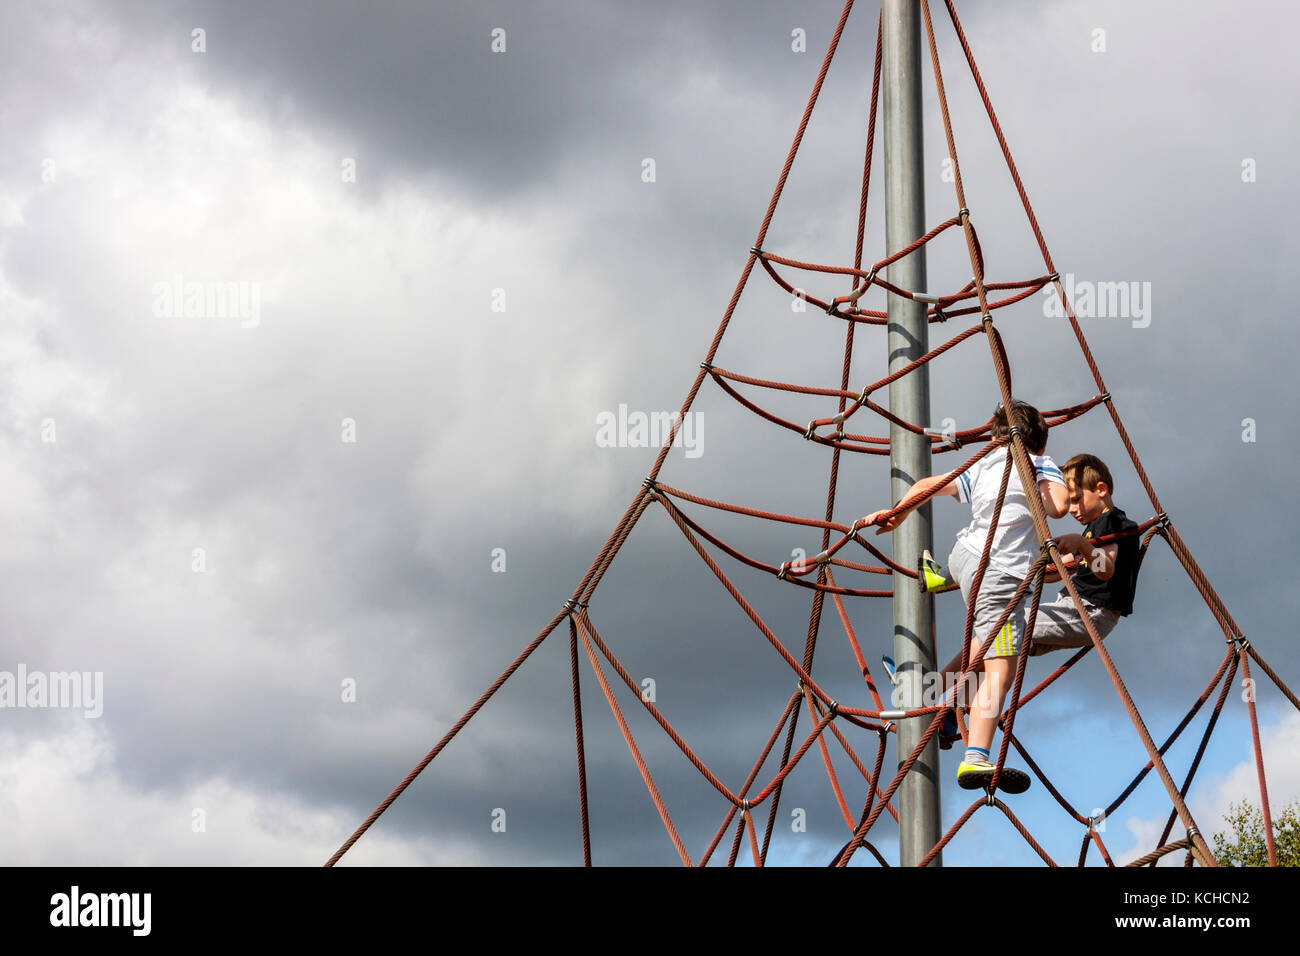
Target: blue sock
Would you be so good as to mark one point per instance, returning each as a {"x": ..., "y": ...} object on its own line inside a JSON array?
[{"x": 977, "y": 755}]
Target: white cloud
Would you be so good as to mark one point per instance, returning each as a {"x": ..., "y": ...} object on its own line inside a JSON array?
[
  {"x": 66, "y": 805},
  {"x": 175, "y": 433},
  {"x": 1212, "y": 793}
]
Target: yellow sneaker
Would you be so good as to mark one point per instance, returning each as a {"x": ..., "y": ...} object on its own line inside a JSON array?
[
  {"x": 978, "y": 774},
  {"x": 931, "y": 576}
]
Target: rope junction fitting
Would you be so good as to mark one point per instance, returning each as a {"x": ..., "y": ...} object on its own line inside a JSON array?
[{"x": 872, "y": 785}]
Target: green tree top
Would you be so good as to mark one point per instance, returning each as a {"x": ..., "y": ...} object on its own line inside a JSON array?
[{"x": 1249, "y": 848}]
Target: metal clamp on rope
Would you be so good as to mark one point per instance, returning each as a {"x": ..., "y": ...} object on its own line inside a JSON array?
[
  {"x": 926, "y": 297},
  {"x": 571, "y": 605},
  {"x": 780, "y": 574},
  {"x": 893, "y": 714},
  {"x": 1054, "y": 277},
  {"x": 755, "y": 251},
  {"x": 810, "y": 432},
  {"x": 1162, "y": 520},
  {"x": 1242, "y": 642},
  {"x": 744, "y": 806},
  {"x": 853, "y": 297},
  {"x": 963, "y": 211},
  {"x": 823, "y": 557},
  {"x": 1104, "y": 397},
  {"x": 987, "y": 318},
  {"x": 833, "y": 708},
  {"x": 650, "y": 483},
  {"x": 939, "y": 314},
  {"x": 1192, "y": 831},
  {"x": 707, "y": 366},
  {"x": 988, "y": 800}
]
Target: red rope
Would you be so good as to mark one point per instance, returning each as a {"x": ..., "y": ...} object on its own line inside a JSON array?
[{"x": 824, "y": 712}]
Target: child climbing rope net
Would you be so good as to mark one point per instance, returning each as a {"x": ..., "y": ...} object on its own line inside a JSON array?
[{"x": 831, "y": 573}]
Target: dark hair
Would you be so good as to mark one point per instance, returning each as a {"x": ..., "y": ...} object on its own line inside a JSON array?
[
  {"x": 1086, "y": 470},
  {"x": 1030, "y": 422}
]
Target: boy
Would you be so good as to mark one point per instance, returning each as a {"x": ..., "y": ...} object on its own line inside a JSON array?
[
  {"x": 1107, "y": 576},
  {"x": 1014, "y": 545}
]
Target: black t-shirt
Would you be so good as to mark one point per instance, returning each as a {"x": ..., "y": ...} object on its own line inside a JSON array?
[{"x": 1115, "y": 593}]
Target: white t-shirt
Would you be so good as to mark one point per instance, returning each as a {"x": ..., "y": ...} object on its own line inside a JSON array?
[{"x": 1015, "y": 543}]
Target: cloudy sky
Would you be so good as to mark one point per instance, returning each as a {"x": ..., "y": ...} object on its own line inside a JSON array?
[{"x": 299, "y": 536}]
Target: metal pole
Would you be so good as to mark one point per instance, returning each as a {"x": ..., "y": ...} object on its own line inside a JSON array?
[{"x": 909, "y": 399}]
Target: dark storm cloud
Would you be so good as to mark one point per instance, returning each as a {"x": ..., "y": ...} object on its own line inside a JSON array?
[
  {"x": 413, "y": 89},
  {"x": 582, "y": 95}
]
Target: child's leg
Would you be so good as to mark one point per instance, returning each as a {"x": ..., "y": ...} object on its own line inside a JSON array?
[
  {"x": 1059, "y": 626},
  {"x": 996, "y": 592},
  {"x": 998, "y": 674},
  {"x": 974, "y": 772},
  {"x": 961, "y": 565}
]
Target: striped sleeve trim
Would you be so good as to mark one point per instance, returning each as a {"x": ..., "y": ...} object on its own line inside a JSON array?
[
  {"x": 1050, "y": 473},
  {"x": 963, "y": 486}
]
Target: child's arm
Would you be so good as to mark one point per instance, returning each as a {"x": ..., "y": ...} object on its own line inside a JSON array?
[
  {"x": 1070, "y": 561},
  {"x": 1055, "y": 498},
  {"x": 1100, "y": 561},
  {"x": 910, "y": 501}
]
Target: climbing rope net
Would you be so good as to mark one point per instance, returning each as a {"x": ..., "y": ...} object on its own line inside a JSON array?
[{"x": 979, "y": 298}]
